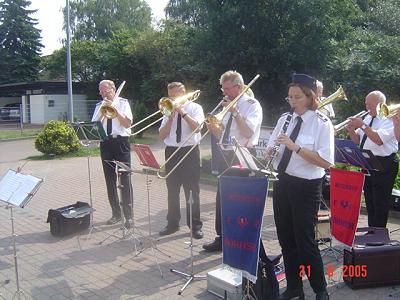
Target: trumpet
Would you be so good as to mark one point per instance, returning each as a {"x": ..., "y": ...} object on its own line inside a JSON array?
[
  {"x": 166, "y": 107},
  {"x": 386, "y": 111},
  {"x": 342, "y": 125},
  {"x": 210, "y": 119}
]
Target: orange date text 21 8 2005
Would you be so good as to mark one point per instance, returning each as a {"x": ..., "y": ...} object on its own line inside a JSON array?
[{"x": 347, "y": 270}]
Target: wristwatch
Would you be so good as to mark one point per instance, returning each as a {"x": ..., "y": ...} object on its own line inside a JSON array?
[
  {"x": 363, "y": 126},
  {"x": 235, "y": 114}
]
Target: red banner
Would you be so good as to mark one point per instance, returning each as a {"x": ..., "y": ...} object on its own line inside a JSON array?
[{"x": 346, "y": 187}]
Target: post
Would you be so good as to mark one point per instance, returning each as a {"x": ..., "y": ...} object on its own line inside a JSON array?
[{"x": 69, "y": 76}]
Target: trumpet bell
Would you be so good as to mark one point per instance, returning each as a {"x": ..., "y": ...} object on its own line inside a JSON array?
[{"x": 108, "y": 111}]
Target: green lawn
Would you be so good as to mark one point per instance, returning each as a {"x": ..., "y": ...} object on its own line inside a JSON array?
[{"x": 14, "y": 134}]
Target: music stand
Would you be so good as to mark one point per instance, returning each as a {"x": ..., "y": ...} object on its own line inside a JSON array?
[
  {"x": 147, "y": 159},
  {"x": 347, "y": 152},
  {"x": 17, "y": 189},
  {"x": 90, "y": 134},
  {"x": 120, "y": 168}
]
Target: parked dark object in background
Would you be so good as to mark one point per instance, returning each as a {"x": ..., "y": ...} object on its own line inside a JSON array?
[{"x": 10, "y": 112}]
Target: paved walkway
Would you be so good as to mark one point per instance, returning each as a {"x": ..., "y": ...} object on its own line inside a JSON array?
[{"x": 56, "y": 268}]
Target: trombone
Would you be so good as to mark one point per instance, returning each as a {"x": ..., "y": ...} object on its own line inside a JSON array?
[
  {"x": 107, "y": 109},
  {"x": 210, "y": 119},
  {"x": 166, "y": 106},
  {"x": 386, "y": 111},
  {"x": 338, "y": 95}
]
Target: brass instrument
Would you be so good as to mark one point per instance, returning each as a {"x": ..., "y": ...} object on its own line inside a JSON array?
[
  {"x": 107, "y": 108},
  {"x": 386, "y": 111},
  {"x": 336, "y": 96},
  {"x": 340, "y": 126},
  {"x": 210, "y": 119},
  {"x": 166, "y": 107}
]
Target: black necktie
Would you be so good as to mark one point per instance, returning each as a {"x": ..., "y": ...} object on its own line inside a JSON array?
[
  {"x": 179, "y": 129},
  {"x": 287, "y": 154},
  {"x": 227, "y": 130},
  {"x": 365, "y": 135},
  {"x": 109, "y": 126}
]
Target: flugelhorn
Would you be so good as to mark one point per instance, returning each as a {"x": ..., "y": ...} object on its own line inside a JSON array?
[
  {"x": 336, "y": 96},
  {"x": 211, "y": 119},
  {"x": 166, "y": 107},
  {"x": 386, "y": 111}
]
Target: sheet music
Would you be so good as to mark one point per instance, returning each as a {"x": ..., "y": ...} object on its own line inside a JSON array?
[
  {"x": 17, "y": 188},
  {"x": 245, "y": 158}
]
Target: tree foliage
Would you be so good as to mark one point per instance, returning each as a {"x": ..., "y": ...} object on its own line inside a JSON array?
[
  {"x": 101, "y": 19},
  {"x": 19, "y": 42}
]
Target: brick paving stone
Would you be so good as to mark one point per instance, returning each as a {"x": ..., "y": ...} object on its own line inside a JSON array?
[{"x": 56, "y": 268}]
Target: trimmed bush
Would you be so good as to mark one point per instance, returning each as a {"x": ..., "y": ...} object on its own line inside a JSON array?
[{"x": 57, "y": 137}]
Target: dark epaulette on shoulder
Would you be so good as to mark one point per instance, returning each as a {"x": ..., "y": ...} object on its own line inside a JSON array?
[
  {"x": 251, "y": 100},
  {"x": 285, "y": 114},
  {"x": 322, "y": 116}
]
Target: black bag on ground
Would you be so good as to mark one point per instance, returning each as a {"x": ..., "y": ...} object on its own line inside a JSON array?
[
  {"x": 266, "y": 286},
  {"x": 69, "y": 219}
]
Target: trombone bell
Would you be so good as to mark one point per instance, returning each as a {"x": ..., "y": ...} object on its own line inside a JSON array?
[
  {"x": 167, "y": 105},
  {"x": 336, "y": 96},
  {"x": 386, "y": 111},
  {"x": 108, "y": 111}
]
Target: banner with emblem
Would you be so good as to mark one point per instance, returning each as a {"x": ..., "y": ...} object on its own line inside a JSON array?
[
  {"x": 242, "y": 210},
  {"x": 345, "y": 196}
]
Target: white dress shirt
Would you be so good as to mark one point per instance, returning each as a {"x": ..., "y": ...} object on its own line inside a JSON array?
[
  {"x": 251, "y": 111},
  {"x": 385, "y": 129},
  {"x": 122, "y": 105},
  {"x": 316, "y": 134},
  {"x": 196, "y": 112}
]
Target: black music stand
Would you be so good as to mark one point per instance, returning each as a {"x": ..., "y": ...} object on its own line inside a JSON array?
[
  {"x": 147, "y": 160},
  {"x": 347, "y": 152},
  {"x": 120, "y": 168},
  {"x": 17, "y": 189},
  {"x": 90, "y": 134}
]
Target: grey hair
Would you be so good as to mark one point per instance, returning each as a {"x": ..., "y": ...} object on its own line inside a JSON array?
[
  {"x": 176, "y": 84},
  {"x": 379, "y": 96},
  {"x": 319, "y": 84},
  {"x": 110, "y": 84},
  {"x": 235, "y": 78}
]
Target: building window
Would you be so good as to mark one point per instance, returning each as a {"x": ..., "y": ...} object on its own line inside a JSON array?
[{"x": 51, "y": 103}]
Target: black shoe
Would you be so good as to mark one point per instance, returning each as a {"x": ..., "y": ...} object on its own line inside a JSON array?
[
  {"x": 113, "y": 220},
  {"x": 128, "y": 224},
  {"x": 214, "y": 246},
  {"x": 292, "y": 294},
  {"x": 322, "y": 296},
  {"x": 197, "y": 233},
  {"x": 169, "y": 230}
]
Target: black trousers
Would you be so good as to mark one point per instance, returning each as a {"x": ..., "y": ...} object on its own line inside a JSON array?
[
  {"x": 378, "y": 190},
  {"x": 226, "y": 162},
  {"x": 117, "y": 149},
  {"x": 296, "y": 202},
  {"x": 187, "y": 174}
]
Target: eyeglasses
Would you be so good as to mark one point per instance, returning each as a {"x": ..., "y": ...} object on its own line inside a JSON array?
[
  {"x": 292, "y": 98},
  {"x": 228, "y": 88}
]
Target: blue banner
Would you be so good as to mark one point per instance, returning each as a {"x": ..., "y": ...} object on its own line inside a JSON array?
[{"x": 242, "y": 210}]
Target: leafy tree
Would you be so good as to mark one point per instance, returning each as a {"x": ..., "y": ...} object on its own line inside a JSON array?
[
  {"x": 19, "y": 42},
  {"x": 101, "y": 19}
]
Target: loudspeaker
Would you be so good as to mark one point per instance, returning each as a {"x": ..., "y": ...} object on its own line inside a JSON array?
[{"x": 69, "y": 219}]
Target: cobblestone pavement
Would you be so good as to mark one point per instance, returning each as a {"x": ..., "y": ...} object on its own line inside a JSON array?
[{"x": 56, "y": 268}]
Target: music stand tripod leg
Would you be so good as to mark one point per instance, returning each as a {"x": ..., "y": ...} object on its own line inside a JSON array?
[
  {"x": 189, "y": 277},
  {"x": 152, "y": 242}
]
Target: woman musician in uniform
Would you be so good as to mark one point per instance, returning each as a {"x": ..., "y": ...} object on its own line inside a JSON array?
[{"x": 304, "y": 146}]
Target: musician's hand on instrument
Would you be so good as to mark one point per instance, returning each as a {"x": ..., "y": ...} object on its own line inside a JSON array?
[
  {"x": 355, "y": 122},
  {"x": 285, "y": 140},
  {"x": 350, "y": 128}
]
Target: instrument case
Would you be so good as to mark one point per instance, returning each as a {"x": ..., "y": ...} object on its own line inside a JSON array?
[
  {"x": 69, "y": 219},
  {"x": 225, "y": 284},
  {"x": 372, "y": 264}
]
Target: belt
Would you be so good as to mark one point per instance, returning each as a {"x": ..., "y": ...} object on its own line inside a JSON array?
[{"x": 115, "y": 137}]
